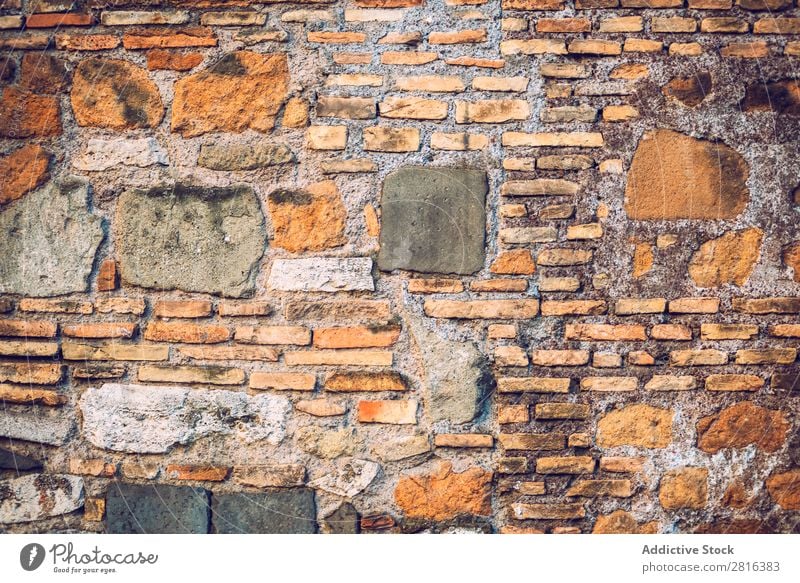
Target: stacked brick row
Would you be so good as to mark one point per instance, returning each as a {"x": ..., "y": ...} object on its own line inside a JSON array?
[{"x": 399, "y": 265}]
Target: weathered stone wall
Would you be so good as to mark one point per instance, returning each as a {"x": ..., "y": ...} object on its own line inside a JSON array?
[{"x": 399, "y": 265}]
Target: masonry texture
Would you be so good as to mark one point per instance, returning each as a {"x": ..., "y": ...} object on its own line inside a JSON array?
[{"x": 345, "y": 266}]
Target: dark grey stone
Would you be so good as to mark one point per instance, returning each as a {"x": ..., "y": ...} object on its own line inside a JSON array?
[
  {"x": 343, "y": 520},
  {"x": 156, "y": 509},
  {"x": 10, "y": 460},
  {"x": 198, "y": 239},
  {"x": 289, "y": 511},
  {"x": 433, "y": 220}
]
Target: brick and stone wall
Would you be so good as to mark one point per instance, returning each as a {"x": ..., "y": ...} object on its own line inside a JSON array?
[{"x": 399, "y": 265}]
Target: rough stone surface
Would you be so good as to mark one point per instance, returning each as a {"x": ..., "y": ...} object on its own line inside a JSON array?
[
  {"x": 454, "y": 377},
  {"x": 684, "y": 488},
  {"x": 115, "y": 94},
  {"x": 322, "y": 274},
  {"x": 156, "y": 509},
  {"x": 444, "y": 494},
  {"x": 10, "y": 460},
  {"x": 38, "y": 496},
  {"x": 38, "y": 425},
  {"x": 100, "y": 154},
  {"x": 638, "y": 425},
  {"x": 622, "y": 522},
  {"x": 50, "y": 239},
  {"x": 690, "y": 91},
  {"x": 791, "y": 258},
  {"x": 784, "y": 488},
  {"x": 21, "y": 171},
  {"x": 26, "y": 115},
  {"x": 343, "y": 520},
  {"x": 778, "y": 96},
  {"x": 726, "y": 259},
  {"x": 675, "y": 176},
  {"x": 349, "y": 479},
  {"x": 243, "y": 157},
  {"x": 150, "y": 419},
  {"x": 243, "y": 90},
  {"x": 308, "y": 219},
  {"x": 433, "y": 220},
  {"x": 222, "y": 238},
  {"x": 741, "y": 425},
  {"x": 290, "y": 511}
]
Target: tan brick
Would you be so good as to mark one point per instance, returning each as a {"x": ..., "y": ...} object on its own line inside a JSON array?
[
  {"x": 685, "y": 49},
  {"x": 671, "y": 383},
  {"x": 29, "y": 328},
  {"x": 642, "y": 45},
  {"x": 25, "y": 395},
  {"x": 559, "y": 284},
  {"x": 532, "y": 385},
  {"x": 346, "y": 107},
  {"x": 510, "y": 356},
  {"x": 510, "y": 84},
  {"x": 337, "y": 38},
  {"x": 564, "y": 70},
  {"x": 262, "y": 353},
  {"x": 295, "y": 335},
  {"x": 496, "y": 331},
  {"x": 749, "y": 50},
  {"x": 352, "y": 58},
  {"x": 622, "y": 465},
  {"x": 151, "y": 352},
  {"x": 609, "y": 384},
  {"x": 356, "y": 337},
  {"x": 282, "y": 381},
  {"x": 162, "y": 331},
  {"x": 408, "y": 58},
  {"x": 565, "y": 465},
  {"x": 430, "y": 83},
  {"x": 100, "y": 330},
  {"x": 772, "y": 25},
  {"x": 476, "y": 309},
  {"x": 780, "y": 330},
  {"x": 269, "y": 475},
  {"x": 561, "y": 411},
  {"x": 723, "y": 24},
  {"x": 140, "y": 470},
  {"x": 540, "y": 187},
  {"x": 767, "y": 305},
  {"x": 321, "y": 407},
  {"x": 244, "y": 309},
  {"x": 326, "y": 137},
  {"x": 492, "y": 111},
  {"x": 135, "y": 306},
  {"x": 628, "y": 306},
  {"x": 584, "y": 232},
  {"x": 182, "y": 309},
  {"x": 27, "y": 348},
  {"x": 673, "y": 24},
  {"x": 622, "y": 24},
  {"x": 670, "y": 332},
  {"x": 512, "y": 414},
  {"x": 559, "y": 357},
  {"x": 94, "y": 509},
  {"x": 55, "y": 306},
  {"x": 435, "y": 286},
  {"x": 766, "y": 356},
  {"x": 401, "y": 38},
  {"x": 339, "y": 358},
  {"x": 391, "y": 412},
  {"x": 619, "y": 113},
  {"x": 710, "y": 331},
  {"x": 694, "y": 306},
  {"x": 573, "y": 307},
  {"x": 396, "y": 140},
  {"x": 707, "y": 357},
  {"x": 210, "y": 375},
  {"x": 606, "y": 360},
  {"x": 30, "y": 373},
  {"x": 92, "y": 467},
  {"x": 499, "y": 285},
  {"x": 594, "y": 47},
  {"x": 607, "y": 332},
  {"x": 733, "y": 382},
  {"x": 537, "y": 46},
  {"x": 563, "y": 257},
  {"x": 457, "y": 37},
  {"x": 413, "y": 108}
]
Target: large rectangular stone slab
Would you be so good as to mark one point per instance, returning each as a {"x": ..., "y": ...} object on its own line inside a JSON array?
[
  {"x": 289, "y": 511},
  {"x": 433, "y": 220},
  {"x": 156, "y": 509},
  {"x": 149, "y": 419},
  {"x": 37, "y": 424}
]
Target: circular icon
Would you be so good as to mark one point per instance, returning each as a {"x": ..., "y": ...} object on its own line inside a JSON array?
[{"x": 31, "y": 556}]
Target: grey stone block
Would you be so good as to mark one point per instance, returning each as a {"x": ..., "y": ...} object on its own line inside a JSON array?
[
  {"x": 289, "y": 511},
  {"x": 433, "y": 220},
  {"x": 156, "y": 509}
]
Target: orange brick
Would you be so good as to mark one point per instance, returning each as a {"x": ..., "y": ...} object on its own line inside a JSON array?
[
  {"x": 160, "y": 60},
  {"x": 497, "y": 309},
  {"x": 153, "y": 38},
  {"x": 356, "y": 337},
  {"x": 28, "y": 328},
  {"x": 244, "y": 309},
  {"x": 364, "y": 381},
  {"x": 182, "y": 332},
  {"x": 58, "y": 20},
  {"x": 391, "y": 412},
  {"x": 296, "y": 335},
  {"x": 337, "y": 38},
  {"x": 101, "y": 330},
  {"x": 457, "y": 37},
  {"x": 86, "y": 42},
  {"x": 435, "y": 286},
  {"x": 605, "y": 332},
  {"x": 182, "y": 309},
  {"x": 30, "y": 373},
  {"x": 107, "y": 278}
]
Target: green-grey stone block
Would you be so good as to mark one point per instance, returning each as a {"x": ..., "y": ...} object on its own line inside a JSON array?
[
  {"x": 156, "y": 509},
  {"x": 289, "y": 511}
]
